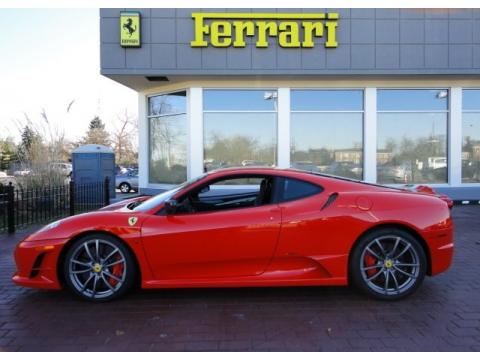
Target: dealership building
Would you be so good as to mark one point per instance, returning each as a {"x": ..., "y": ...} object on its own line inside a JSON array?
[{"x": 389, "y": 96}]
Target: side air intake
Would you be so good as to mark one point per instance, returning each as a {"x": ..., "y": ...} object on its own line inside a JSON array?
[{"x": 330, "y": 200}]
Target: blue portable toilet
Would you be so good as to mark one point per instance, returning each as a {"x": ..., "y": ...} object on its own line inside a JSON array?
[{"x": 92, "y": 163}]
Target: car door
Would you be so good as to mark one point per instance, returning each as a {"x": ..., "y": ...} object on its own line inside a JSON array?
[
  {"x": 312, "y": 234},
  {"x": 212, "y": 244}
]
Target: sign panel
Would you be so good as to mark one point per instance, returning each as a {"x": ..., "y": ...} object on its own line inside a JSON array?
[
  {"x": 130, "y": 29},
  {"x": 291, "y": 30}
]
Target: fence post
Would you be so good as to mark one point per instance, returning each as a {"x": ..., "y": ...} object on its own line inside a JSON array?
[
  {"x": 106, "y": 191},
  {"x": 72, "y": 197},
  {"x": 10, "y": 209}
]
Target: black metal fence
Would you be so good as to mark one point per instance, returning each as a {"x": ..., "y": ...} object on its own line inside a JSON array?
[{"x": 22, "y": 207}]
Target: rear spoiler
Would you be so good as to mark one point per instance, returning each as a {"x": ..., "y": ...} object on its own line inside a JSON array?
[{"x": 423, "y": 189}]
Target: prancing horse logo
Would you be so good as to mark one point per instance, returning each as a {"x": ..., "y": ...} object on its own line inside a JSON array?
[{"x": 128, "y": 26}]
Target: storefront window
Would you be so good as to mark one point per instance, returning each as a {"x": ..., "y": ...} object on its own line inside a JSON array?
[
  {"x": 168, "y": 138},
  {"x": 471, "y": 137},
  {"x": 412, "y": 136},
  {"x": 239, "y": 128},
  {"x": 326, "y": 131}
]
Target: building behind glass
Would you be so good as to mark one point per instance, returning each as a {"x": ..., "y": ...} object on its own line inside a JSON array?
[{"x": 396, "y": 101}]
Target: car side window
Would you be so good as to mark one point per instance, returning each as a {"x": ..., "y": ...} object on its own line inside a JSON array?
[
  {"x": 294, "y": 189},
  {"x": 227, "y": 194}
]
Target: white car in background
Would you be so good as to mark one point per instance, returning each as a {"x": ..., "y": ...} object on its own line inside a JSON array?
[
  {"x": 63, "y": 168},
  {"x": 127, "y": 182},
  {"x": 23, "y": 172}
]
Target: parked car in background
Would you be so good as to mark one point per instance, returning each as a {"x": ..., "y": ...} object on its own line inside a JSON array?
[
  {"x": 345, "y": 169},
  {"x": 390, "y": 173},
  {"x": 127, "y": 182},
  {"x": 5, "y": 180},
  {"x": 437, "y": 162},
  {"x": 62, "y": 168},
  {"x": 253, "y": 163},
  {"x": 120, "y": 170},
  {"x": 23, "y": 172},
  {"x": 470, "y": 171},
  {"x": 305, "y": 165}
]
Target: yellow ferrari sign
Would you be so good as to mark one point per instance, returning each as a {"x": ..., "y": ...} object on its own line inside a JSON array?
[
  {"x": 130, "y": 29},
  {"x": 292, "y": 30}
]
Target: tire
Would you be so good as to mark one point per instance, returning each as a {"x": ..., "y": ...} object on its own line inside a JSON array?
[
  {"x": 125, "y": 187},
  {"x": 99, "y": 268},
  {"x": 388, "y": 264}
]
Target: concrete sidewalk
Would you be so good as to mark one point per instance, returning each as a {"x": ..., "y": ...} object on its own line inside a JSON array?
[{"x": 444, "y": 315}]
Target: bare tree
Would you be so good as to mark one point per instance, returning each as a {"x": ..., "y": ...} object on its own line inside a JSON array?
[
  {"x": 43, "y": 143},
  {"x": 124, "y": 139}
]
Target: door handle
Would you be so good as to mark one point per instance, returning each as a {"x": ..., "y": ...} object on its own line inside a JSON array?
[{"x": 273, "y": 212}]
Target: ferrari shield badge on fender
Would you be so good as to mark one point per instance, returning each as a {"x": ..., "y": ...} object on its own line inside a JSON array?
[{"x": 132, "y": 220}]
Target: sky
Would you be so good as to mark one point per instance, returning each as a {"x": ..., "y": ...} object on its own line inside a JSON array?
[{"x": 50, "y": 57}]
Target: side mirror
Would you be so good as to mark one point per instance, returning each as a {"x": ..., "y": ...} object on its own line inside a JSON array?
[{"x": 171, "y": 206}]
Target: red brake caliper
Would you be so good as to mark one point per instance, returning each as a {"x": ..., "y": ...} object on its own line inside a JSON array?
[
  {"x": 116, "y": 270},
  {"x": 370, "y": 261}
]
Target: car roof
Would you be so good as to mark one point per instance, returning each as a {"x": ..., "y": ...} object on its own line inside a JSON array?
[{"x": 312, "y": 175}]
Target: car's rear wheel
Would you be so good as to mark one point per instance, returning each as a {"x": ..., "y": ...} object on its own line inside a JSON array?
[
  {"x": 388, "y": 264},
  {"x": 99, "y": 267},
  {"x": 125, "y": 187}
]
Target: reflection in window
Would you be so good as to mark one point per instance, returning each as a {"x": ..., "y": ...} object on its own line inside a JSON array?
[
  {"x": 239, "y": 128},
  {"x": 412, "y": 100},
  {"x": 412, "y": 136},
  {"x": 168, "y": 139},
  {"x": 175, "y": 103},
  {"x": 326, "y": 132},
  {"x": 239, "y": 100},
  {"x": 471, "y": 136}
]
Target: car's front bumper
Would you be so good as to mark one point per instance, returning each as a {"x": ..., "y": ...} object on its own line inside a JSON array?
[{"x": 37, "y": 263}]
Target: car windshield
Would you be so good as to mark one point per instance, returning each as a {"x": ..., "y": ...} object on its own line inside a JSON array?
[{"x": 155, "y": 201}]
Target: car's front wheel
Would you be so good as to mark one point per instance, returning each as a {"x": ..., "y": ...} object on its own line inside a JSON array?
[
  {"x": 99, "y": 267},
  {"x": 388, "y": 264}
]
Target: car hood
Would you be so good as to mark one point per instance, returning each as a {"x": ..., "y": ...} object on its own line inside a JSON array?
[{"x": 122, "y": 222}]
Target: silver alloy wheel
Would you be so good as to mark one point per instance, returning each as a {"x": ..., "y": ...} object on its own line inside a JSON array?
[
  {"x": 97, "y": 268},
  {"x": 390, "y": 265},
  {"x": 125, "y": 188}
]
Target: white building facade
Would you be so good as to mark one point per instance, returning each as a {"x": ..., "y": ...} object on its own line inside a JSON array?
[{"x": 387, "y": 96}]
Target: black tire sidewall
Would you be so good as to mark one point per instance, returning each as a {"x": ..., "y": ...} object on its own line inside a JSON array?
[
  {"x": 130, "y": 264},
  {"x": 355, "y": 275}
]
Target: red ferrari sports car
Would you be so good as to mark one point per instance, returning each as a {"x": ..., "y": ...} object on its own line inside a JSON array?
[{"x": 247, "y": 227}]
